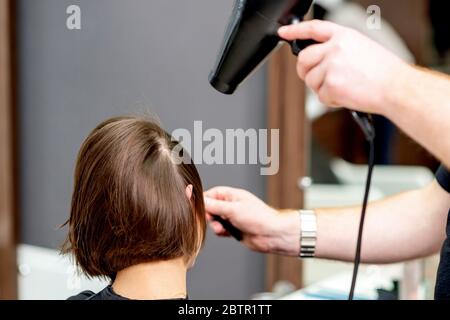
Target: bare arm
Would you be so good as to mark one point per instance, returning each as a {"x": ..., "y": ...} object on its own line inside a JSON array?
[
  {"x": 407, "y": 226},
  {"x": 404, "y": 227},
  {"x": 419, "y": 103}
]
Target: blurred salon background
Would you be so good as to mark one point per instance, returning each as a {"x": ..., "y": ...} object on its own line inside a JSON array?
[{"x": 140, "y": 56}]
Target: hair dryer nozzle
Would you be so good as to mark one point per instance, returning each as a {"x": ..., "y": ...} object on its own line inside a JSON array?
[
  {"x": 221, "y": 86},
  {"x": 251, "y": 37}
]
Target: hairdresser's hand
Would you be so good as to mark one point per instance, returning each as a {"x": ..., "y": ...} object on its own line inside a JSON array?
[
  {"x": 346, "y": 69},
  {"x": 264, "y": 228}
]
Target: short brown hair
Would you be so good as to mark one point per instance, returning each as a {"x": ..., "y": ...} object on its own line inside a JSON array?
[{"x": 129, "y": 202}]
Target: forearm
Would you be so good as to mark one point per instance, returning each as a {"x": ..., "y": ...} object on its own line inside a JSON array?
[
  {"x": 419, "y": 103},
  {"x": 404, "y": 227}
]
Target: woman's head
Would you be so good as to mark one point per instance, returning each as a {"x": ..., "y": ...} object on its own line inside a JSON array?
[{"x": 133, "y": 200}]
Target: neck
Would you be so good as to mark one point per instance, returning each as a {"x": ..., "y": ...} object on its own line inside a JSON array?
[{"x": 153, "y": 281}]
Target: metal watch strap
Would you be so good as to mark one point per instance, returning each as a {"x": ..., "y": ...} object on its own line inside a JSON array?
[{"x": 308, "y": 234}]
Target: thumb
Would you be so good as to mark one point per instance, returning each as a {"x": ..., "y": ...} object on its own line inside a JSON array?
[{"x": 221, "y": 208}]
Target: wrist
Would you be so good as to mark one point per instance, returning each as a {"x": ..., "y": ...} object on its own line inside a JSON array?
[
  {"x": 286, "y": 240},
  {"x": 397, "y": 86}
]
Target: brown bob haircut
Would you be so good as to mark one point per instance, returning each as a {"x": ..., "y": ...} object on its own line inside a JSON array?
[{"x": 129, "y": 203}]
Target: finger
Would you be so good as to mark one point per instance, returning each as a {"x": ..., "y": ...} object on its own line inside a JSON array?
[
  {"x": 222, "y": 193},
  {"x": 310, "y": 58},
  {"x": 221, "y": 208},
  {"x": 315, "y": 78},
  {"x": 326, "y": 99},
  {"x": 320, "y": 31},
  {"x": 219, "y": 229}
]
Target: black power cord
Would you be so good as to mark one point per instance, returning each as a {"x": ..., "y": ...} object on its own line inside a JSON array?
[{"x": 366, "y": 124}]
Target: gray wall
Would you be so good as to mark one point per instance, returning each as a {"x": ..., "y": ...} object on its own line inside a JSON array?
[{"x": 130, "y": 56}]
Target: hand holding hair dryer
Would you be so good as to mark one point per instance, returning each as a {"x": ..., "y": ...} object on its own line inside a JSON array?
[{"x": 252, "y": 35}]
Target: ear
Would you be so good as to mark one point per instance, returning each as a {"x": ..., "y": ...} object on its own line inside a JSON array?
[{"x": 189, "y": 190}]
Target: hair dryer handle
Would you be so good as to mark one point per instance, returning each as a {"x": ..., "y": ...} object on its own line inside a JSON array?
[{"x": 298, "y": 46}]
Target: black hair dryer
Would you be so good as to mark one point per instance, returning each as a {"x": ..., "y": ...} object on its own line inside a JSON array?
[{"x": 252, "y": 35}]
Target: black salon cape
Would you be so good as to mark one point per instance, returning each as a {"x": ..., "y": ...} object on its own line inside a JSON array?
[
  {"x": 443, "y": 277},
  {"x": 106, "y": 294}
]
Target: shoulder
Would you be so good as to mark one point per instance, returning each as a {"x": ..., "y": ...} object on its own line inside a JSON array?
[
  {"x": 85, "y": 295},
  {"x": 106, "y": 294}
]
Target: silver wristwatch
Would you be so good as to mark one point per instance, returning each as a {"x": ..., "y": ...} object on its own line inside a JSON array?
[{"x": 308, "y": 234}]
